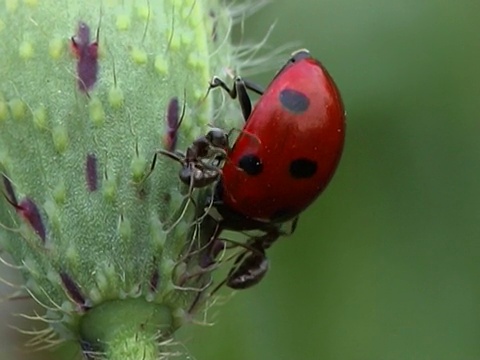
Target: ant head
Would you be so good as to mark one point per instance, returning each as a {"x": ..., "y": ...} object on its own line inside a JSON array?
[{"x": 218, "y": 138}]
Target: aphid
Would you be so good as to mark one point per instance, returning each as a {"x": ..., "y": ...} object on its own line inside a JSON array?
[
  {"x": 174, "y": 120},
  {"x": 73, "y": 290},
  {"x": 26, "y": 208},
  {"x": 91, "y": 176},
  {"x": 86, "y": 53}
]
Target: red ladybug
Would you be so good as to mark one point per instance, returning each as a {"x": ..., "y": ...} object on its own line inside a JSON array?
[{"x": 288, "y": 150}]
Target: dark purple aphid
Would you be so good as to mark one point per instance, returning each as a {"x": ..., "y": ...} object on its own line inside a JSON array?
[
  {"x": 91, "y": 172},
  {"x": 73, "y": 290},
  {"x": 87, "y": 57},
  {"x": 174, "y": 120},
  {"x": 26, "y": 208},
  {"x": 154, "y": 280},
  {"x": 29, "y": 211}
]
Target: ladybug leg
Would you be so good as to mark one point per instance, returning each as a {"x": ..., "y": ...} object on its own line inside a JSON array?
[
  {"x": 265, "y": 241},
  {"x": 293, "y": 227},
  {"x": 206, "y": 243},
  {"x": 206, "y": 211}
]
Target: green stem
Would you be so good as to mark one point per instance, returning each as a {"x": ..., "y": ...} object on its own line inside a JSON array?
[{"x": 127, "y": 329}]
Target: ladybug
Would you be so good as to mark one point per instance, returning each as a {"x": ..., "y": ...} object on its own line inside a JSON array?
[{"x": 299, "y": 122}]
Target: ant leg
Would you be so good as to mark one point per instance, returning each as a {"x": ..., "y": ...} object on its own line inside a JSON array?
[
  {"x": 206, "y": 211},
  {"x": 189, "y": 197},
  {"x": 172, "y": 155},
  {"x": 254, "y": 138},
  {"x": 253, "y": 87},
  {"x": 239, "y": 89}
]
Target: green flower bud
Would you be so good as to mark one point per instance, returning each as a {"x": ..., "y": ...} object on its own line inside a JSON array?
[{"x": 110, "y": 250}]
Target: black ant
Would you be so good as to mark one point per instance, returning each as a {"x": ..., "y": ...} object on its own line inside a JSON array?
[
  {"x": 195, "y": 172},
  {"x": 251, "y": 265}
]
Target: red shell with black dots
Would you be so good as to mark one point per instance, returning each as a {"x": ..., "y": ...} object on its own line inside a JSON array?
[{"x": 289, "y": 147}]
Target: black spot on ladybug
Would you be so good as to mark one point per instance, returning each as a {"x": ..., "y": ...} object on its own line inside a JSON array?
[
  {"x": 294, "y": 101},
  {"x": 302, "y": 168},
  {"x": 251, "y": 164}
]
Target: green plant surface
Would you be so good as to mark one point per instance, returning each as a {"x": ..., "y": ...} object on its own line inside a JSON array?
[{"x": 108, "y": 247}]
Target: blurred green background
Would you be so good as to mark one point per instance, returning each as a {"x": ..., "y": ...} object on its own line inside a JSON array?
[{"x": 386, "y": 264}]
